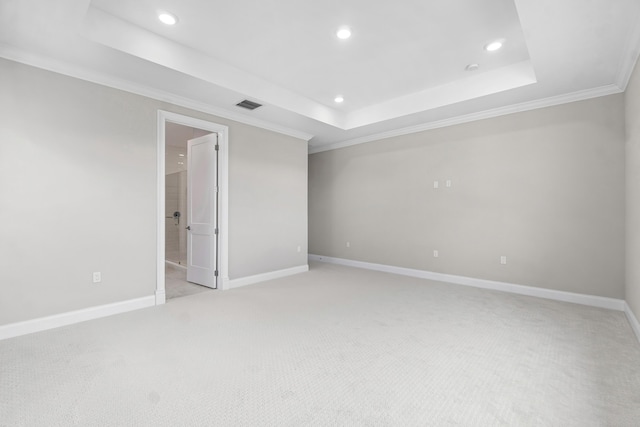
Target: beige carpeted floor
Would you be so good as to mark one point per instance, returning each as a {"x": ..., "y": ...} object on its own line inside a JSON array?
[{"x": 333, "y": 347}]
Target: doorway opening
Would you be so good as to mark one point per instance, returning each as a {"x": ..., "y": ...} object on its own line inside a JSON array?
[
  {"x": 192, "y": 222},
  {"x": 188, "y": 167}
]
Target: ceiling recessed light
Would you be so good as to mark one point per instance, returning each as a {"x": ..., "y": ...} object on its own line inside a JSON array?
[
  {"x": 339, "y": 99},
  {"x": 472, "y": 67},
  {"x": 181, "y": 155},
  {"x": 344, "y": 33},
  {"x": 167, "y": 18},
  {"x": 493, "y": 46}
]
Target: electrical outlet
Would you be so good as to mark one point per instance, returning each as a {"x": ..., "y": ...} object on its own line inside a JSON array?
[
  {"x": 503, "y": 260},
  {"x": 436, "y": 254},
  {"x": 348, "y": 244},
  {"x": 97, "y": 277},
  {"x": 448, "y": 183},
  {"x": 436, "y": 184}
]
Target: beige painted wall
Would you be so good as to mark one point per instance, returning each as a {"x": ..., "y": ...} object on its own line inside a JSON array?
[
  {"x": 632, "y": 104},
  {"x": 544, "y": 187},
  {"x": 268, "y": 194},
  {"x": 78, "y": 194}
]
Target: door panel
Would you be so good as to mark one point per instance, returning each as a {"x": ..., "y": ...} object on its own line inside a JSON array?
[{"x": 202, "y": 210}]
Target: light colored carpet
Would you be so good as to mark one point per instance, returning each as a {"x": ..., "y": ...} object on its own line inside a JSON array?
[
  {"x": 176, "y": 285},
  {"x": 333, "y": 347}
]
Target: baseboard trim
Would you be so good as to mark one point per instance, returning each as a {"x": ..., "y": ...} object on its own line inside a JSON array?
[
  {"x": 250, "y": 280},
  {"x": 633, "y": 320},
  {"x": 160, "y": 297},
  {"x": 590, "y": 300},
  {"x": 44, "y": 323},
  {"x": 175, "y": 264}
]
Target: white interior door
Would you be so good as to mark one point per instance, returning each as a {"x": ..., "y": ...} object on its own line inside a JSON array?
[{"x": 202, "y": 210}]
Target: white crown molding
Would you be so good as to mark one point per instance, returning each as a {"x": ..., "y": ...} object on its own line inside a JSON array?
[
  {"x": 76, "y": 316},
  {"x": 633, "y": 320},
  {"x": 481, "y": 115},
  {"x": 590, "y": 300},
  {"x": 60, "y": 67},
  {"x": 250, "y": 280}
]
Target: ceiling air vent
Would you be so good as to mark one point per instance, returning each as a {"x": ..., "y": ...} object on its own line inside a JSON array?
[{"x": 249, "y": 105}]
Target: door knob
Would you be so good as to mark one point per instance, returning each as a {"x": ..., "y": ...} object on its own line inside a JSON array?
[{"x": 188, "y": 227}]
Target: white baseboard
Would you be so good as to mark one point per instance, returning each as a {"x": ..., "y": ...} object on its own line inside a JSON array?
[
  {"x": 161, "y": 297},
  {"x": 633, "y": 320},
  {"x": 250, "y": 280},
  {"x": 590, "y": 300},
  {"x": 175, "y": 264},
  {"x": 71, "y": 317}
]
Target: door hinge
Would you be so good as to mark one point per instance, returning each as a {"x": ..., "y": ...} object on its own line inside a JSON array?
[
  {"x": 216, "y": 231},
  {"x": 217, "y": 189},
  {"x": 215, "y": 273},
  {"x": 217, "y": 147}
]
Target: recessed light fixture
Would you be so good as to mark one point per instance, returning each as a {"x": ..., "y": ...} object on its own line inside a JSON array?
[
  {"x": 472, "y": 67},
  {"x": 344, "y": 33},
  {"x": 181, "y": 163},
  {"x": 181, "y": 155},
  {"x": 167, "y": 18},
  {"x": 339, "y": 99},
  {"x": 493, "y": 46}
]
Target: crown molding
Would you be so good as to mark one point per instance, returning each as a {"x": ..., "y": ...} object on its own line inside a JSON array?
[
  {"x": 481, "y": 115},
  {"x": 82, "y": 73}
]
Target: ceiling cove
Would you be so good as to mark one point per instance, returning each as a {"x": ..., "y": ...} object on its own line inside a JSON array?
[{"x": 406, "y": 66}]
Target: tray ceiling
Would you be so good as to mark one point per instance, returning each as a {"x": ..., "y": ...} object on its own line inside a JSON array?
[{"x": 403, "y": 68}]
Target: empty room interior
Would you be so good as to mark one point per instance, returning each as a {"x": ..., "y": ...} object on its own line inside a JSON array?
[{"x": 336, "y": 213}]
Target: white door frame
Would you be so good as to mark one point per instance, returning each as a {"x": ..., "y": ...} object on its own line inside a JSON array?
[{"x": 223, "y": 197}]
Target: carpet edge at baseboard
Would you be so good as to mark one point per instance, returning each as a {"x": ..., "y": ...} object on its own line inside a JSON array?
[
  {"x": 76, "y": 316},
  {"x": 576, "y": 298}
]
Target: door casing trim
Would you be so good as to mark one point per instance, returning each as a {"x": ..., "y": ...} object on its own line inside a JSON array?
[{"x": 223, "y": 197}]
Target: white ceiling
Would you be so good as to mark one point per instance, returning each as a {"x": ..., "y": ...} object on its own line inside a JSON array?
[{"x": 402, "y": 70}]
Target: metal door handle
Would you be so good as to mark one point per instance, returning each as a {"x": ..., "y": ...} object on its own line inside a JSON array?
[{"x": 188, "y": 227}]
